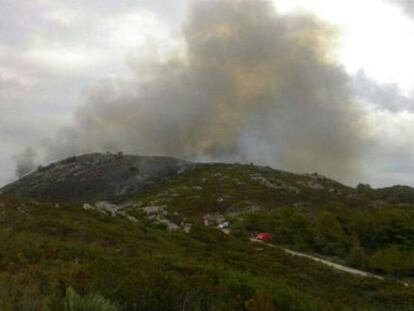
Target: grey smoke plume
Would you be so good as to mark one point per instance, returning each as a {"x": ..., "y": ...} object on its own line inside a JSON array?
[
  {"x": 407, "y": 5},
  {"x": 252, "y": 85},
  {"x": 25, "y": 162},
  {"x": 9, "y": 86},
  {"x": 383, "y": 96}
]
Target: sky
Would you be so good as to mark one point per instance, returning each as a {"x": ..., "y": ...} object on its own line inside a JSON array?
[{"x": 58, "y": 56}]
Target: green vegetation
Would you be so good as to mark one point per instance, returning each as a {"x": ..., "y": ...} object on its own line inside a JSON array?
[
  {"x": 362, "y": 227},
  {"x": 114, "y": 263},
  {"x": 380, "y": 240},
  {"x": 75, "y": 302}
]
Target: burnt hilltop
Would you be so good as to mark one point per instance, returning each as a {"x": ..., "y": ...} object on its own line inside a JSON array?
[{"x": 96, "y": 176}]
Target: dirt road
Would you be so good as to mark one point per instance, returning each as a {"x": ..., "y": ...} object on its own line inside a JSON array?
[{"x": 328, "y": 263}]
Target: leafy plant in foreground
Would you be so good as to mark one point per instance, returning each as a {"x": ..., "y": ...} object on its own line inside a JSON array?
[{"x": 93, "y": 302}]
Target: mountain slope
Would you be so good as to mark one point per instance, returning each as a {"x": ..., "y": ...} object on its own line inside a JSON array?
[
  {"x": 96, "y": 177},
  {"x": 142, "y": 266},
  {"x": 149, "y": 249}
]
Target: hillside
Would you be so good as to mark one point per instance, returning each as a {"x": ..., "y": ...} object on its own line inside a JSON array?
[
  {"x": 96, "y": 177},
  {"x": 149, "y": 250}
]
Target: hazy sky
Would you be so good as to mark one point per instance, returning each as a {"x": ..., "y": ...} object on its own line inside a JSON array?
[{"x": 53, "y": 53}]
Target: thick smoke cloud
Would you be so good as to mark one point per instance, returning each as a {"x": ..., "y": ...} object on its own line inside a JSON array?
[
  {"x": 25, "y": 162},
  {"x": 250, "y": 85},
  {"x": 9, "y": 86},
  {"x": 407, "y": 5},
  {"x": 383, "y": 96}
]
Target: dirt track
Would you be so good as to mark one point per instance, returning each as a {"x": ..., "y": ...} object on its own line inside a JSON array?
[{"x": 331, "y": 264}]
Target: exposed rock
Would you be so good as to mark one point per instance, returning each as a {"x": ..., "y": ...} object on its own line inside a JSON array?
[
  {"x": 22, "y": 209},
  {"x": 109, "y": 208},
  {"x": 150, "y": 210},
  {"x": 170, "y": 225},
  {"x": 279, "y": 185},
  {"x": 88, "y": 207},
  {"x": 129, "y": 217},
  {"x": 315, "y": 185},
  {"x": 187, "y": 228}
]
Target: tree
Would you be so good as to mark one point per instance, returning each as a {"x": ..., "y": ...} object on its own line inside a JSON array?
[
  {"x": 330, "y": 238},
  {"x": 357, "y": 256},
  {"x": 388, "y": 260},
  {"x": 292, "y": 227}
]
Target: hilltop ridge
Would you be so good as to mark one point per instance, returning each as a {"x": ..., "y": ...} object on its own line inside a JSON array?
[{"x": 96, "y": 176}]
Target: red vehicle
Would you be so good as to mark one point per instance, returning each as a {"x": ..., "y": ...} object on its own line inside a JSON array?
[{"x": 263, "y": 236}]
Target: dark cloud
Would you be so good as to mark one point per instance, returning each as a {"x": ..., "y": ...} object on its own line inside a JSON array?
[{"x": 253, "y": 86}]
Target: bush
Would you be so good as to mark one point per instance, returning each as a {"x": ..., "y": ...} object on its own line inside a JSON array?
[
  {"x": 330, "y": 237},
  {"x": 93, "y": 302}
]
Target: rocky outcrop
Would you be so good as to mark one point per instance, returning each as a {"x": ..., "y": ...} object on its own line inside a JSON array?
[{"x": 109, "y": 209}]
